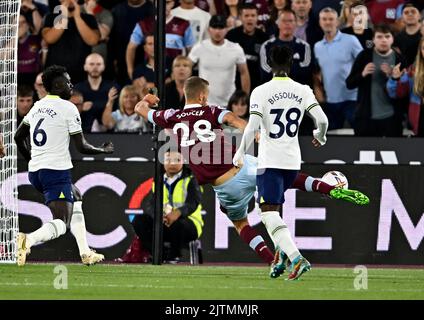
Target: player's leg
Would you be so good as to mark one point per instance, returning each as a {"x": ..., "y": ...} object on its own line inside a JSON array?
[
  {"x": 255, "y": 241},
  {"x": 56, "y": 187},
  {"x": 78, "y": 229},
  {"x": 307, "y": 183},
  {"x": 234, "y": 197},
  {"x": 272, "y": 183}
]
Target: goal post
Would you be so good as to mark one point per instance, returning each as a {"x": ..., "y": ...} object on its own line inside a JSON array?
[{"x": 9, "y": 22}]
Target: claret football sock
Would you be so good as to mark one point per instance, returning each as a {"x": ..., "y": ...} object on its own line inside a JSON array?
[
  {"x": 257, "y": 243},
  {"x": 310, "y": 184}
]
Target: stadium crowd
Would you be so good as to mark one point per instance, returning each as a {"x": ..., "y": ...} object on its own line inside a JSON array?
[{"x": 364, "y": 59}]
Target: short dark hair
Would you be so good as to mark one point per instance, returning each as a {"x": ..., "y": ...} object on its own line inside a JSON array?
[
  {"x": 25, "y": 91},
  {"x": 238, "y": 95},
  {"x": 382, "y": 28},
  {"x": 409, "y": 4},
  {"x": 247, "y": 6},
  {"x": 356, "y": 3},
  {"x": 287, "y": 10},
  {"x": 280, "y": 58},
  {"x": 193, "y": 86},
  {"x": 51, "y": 74}
]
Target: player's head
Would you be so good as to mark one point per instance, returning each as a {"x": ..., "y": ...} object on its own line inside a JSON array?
[
  {"x": 280, "y": 60},
  {"x": 57, "y": 81},
  {"x": 196, "y": 90},
  {"x": 173, "y": 163}
]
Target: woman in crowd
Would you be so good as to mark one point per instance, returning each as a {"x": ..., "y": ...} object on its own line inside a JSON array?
[
  {"x": 411, "y": 82},
  {"x": 124, "y": 119}
]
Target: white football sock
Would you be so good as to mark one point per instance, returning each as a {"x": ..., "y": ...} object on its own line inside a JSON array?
[
  {"x": 78, "y": 228},
  {"x": 279, "y": 233},
  {"x": 48, "y": 231}
]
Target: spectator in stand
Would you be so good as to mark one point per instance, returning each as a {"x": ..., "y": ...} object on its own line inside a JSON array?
[
  {"x": 232, "y": 13},
  {"x": 384, "y": 12},
  {"x": 207, "y": 5},
  {"x": 24, "y": 102},
  {"x": 29, "y": 53},
  {"x": 408, "y": 39},
  {"x": 318, "y": 5},
  {"x": 250, "y": 38},
  {"x": 345, "y": 18},
  {"x": 335, "y": 55},
  {"x": 360, "y": 28},
  {"x": 198, "y": 18},
  {"x": 275, "y": 8},
  {"x": 263, "y": 11},
  {"x": 125, "y": 16},
  {"x": 302, "y": 66},
  {"x": 179, "y": 37},
  {"x": 307, "y": 27},
  {"x": 124, "y": 119},
  {"x": 70, "y": 39},
  {"x": 39, "y": 87},
  {"x": 95, "y": 91},
  {"x": 376, "y": 114},
  {"x": 34, "y": 13},
  {"x": 410, "y": 83},
  {"x": 218, "y": 60},
  {"x": 239, "y": 104},
  {"x": 174, "y": 94},
  {"x": 104, "y": 20}
]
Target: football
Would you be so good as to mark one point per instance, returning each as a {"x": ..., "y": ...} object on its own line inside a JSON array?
[{"x": 335, "y": 178}]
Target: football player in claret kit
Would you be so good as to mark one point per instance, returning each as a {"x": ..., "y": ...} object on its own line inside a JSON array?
[
  {"x": 277, "y": 107},
  {"x": 49, "y": 125},
  {"x": 198, "y": 129}
]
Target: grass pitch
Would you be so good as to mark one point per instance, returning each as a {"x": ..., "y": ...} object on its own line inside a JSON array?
[{"x": 180, "y": 282}]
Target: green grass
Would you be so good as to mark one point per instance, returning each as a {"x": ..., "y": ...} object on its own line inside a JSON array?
[{"x": 35, "y": 281}]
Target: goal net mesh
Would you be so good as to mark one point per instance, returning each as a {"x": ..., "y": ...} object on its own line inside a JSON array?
[{"x": 9, "y": 20}]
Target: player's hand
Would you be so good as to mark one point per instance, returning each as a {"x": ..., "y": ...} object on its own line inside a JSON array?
[
  {"x": 151, "y": 99},
  {"x": 238, "y": 159},
  {"x": 257, "y": 137},
  {"x": 319, "y": 139},
  {"x": 369, "y": 69},
  {"x": 397, "y": 73},
  {"x": 107, "y": 147}
]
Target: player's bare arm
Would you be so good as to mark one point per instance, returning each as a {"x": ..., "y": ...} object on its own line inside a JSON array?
[
  {"x": 234, "y": 121},
  {"x": 85, "y": 147},
  {"x": 144, "y": 106}
]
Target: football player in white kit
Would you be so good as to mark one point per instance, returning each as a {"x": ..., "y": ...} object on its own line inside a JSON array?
[
  {"x": 49, "y": 125},
  {"x": 277, "y": 107}
]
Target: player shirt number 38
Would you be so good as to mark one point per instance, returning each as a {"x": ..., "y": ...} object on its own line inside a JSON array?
[
  {"x": 52, "y": 120},
  {"x": 281, "y": 103}
]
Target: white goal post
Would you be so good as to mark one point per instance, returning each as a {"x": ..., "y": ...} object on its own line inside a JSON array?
[{"x": 9, "y": 21}]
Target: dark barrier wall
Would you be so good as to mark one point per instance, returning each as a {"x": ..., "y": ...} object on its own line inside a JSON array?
[{"x": 388, "y": 231}]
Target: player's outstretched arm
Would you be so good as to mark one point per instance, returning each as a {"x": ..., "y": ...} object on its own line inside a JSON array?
[
  {"x": 234, "y": 121},
  {"x": 144, "y": 106},
  {"x": 21, "y": 139},
  {"x": 248, "y": 137},
  {"x": 86, "y": 148},
  {"x": 321, "y": 123}
]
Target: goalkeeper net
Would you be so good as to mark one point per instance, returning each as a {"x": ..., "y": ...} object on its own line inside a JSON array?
[{"x": 9, "y": 20}]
